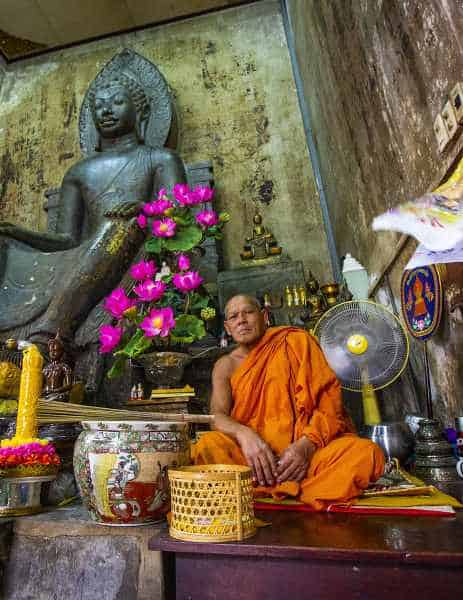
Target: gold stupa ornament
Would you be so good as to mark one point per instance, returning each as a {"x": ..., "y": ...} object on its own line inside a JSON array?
[{"x": 261, "y": 245}]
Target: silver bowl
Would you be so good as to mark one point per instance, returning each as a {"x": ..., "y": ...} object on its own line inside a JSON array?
[
  {"x": 21, "y": 495},
  {"x": 395, "y": 439}
]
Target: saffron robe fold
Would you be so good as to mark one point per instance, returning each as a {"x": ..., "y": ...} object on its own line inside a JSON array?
[{"x": 285, "y": 389}]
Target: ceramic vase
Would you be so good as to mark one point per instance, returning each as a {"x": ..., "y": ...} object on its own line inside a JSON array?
[{"x": 121, "y": 469}]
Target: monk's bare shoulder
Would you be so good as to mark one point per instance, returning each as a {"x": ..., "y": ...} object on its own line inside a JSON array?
[{"x": 224, "y": 367}]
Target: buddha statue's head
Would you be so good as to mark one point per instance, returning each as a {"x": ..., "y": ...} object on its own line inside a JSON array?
[
  {"x": 119, "y": 106},
  {"x": 55, "y": 348}
]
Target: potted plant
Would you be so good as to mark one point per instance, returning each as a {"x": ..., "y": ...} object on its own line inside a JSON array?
[{"x": 166, "y": 308}]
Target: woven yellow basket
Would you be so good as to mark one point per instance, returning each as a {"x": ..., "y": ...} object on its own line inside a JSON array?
[{"x": 211, "y": 503}]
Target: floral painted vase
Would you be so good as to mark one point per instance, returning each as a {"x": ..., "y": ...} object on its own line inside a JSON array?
[{"x": 121, "y": 468}]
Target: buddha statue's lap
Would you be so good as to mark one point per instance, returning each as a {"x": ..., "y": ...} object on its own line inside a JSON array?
[{"x": 51, "y": 281}]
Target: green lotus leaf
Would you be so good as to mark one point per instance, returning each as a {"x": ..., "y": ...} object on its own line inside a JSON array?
[
  {"x": 138, "y": 344},
  {"x": 118, "y": 368},
  {"x": 153, "y": 245},
  {"x": 189, "y": 326},
  {"x": 185, "y": 239}
]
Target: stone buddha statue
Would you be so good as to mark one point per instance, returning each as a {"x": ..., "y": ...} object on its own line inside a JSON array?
[
  {"x": 50, "y": 281},
  {"x": 261, "y": 244}
]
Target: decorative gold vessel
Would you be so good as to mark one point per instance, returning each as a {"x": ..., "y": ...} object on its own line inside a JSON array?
[
  {"x": 164, "y": 369},
  {"x": 331, "y": 293}
]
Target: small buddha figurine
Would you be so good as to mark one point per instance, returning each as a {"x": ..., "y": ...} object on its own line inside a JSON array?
[
  {"x": 261, "y": 244},
  {"x": 315, "y": 300},
  {"x": 163, "y": 272},
  {"x": 57, "y": 374}
]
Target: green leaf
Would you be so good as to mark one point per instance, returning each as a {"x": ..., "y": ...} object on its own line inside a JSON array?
[
  {"x": 181, "y": 340},
  {"x": 185, "y": 239},
  {"x": 198, "y": 302},
  {"x": 184, "y": 220},
  {"x": 138, "y": 344},
  {"x": 188, "y": 326},
  {"x": 153, "y": 245},
  {"x": 117, "y": 369}
]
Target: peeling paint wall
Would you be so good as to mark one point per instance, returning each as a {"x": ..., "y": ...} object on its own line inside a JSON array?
[
  {"x": 237, "y": 105},
  {"x": 375, "y": 75}
]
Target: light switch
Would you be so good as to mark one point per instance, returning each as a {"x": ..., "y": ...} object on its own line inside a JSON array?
[
  {"x": 456, "y": 98},
  {"x": 441, "y": 133}
]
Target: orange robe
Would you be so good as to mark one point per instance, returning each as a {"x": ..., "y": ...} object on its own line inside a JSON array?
[{"x": 284, "y": 389}]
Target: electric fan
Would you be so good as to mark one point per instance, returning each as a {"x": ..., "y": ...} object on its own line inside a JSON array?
[{"x": 366, "y": 346}]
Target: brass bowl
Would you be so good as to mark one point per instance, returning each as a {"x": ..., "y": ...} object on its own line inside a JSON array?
[{"x": 164, "y": 369}]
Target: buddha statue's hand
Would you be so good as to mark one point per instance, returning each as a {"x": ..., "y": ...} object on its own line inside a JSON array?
[
  {"x": 7, "y": 228},
  {"x": 124, "y": 211},
  {"x": 295, "y": 461},
  {"x": 258, "y": 455}
]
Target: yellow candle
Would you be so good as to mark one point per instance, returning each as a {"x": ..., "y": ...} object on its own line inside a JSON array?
[{"x": 29, "y": 393}]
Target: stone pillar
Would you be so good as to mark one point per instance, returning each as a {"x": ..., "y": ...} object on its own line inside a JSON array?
[{"x": 64, "y": 555}]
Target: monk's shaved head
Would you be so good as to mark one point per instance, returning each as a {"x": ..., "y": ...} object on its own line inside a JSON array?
[{"x": 246, "y": 298}]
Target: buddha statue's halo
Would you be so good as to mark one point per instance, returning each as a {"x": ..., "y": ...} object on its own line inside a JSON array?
[{"x": 137, "y": 74}]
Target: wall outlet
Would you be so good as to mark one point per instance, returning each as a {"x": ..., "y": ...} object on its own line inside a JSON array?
[
  {"x": 456, "y": 98},
  {"x": 441, "y": 133}
]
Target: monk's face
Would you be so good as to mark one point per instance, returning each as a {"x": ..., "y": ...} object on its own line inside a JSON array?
[{"x": 244, "y": 321}]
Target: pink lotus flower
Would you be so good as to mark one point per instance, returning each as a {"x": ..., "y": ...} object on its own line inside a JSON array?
[
  {"x": 142, "y": 221},
  {"x": 202, "y": 193},
  {"x": 143, "y": 270},
  {"x": 183, "y": 194},
  {"x": 183, "y": 262},
  {"x": 149, "y": 209},
  {"x": 207, "y": 218},
  {"x": 162, "y": 194},
  {"x": 150, "y": 291},
  {"x": 157, "y": 207},
  {"x": 109, "y": 338},
  {"x": 117, "y": 303},
  {"x": 185, "y": 282},
  {"x": 164, "y": 228},
  {"x": 158, "y": 322}
]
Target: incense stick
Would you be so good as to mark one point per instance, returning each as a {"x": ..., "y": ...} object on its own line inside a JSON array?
[{"x": 50, "y": 411}]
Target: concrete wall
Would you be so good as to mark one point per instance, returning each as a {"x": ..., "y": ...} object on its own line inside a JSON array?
[
  {"x": 375, "y": 75},
  {"x": 237, "y": 105}
]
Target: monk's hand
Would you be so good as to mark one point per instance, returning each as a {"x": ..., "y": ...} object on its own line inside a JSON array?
[
  {"x": 124, "y": 211},
  {"x": 259, "y": 456},
  {"x": 295, "y": 461}
]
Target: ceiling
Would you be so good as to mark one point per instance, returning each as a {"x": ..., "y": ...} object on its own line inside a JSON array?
[{"x": 31, "y": 26}]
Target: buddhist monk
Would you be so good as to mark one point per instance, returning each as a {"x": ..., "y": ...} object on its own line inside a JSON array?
[{"x": 278, "y": 409}]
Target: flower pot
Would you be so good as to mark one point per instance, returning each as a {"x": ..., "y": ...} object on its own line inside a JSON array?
[
  {"x": 121, "y": 469},
  {"x": 164, "y": 369}
]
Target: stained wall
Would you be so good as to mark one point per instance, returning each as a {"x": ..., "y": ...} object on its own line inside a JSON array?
[
  {"x": 375, "y": 74},
  {"x": 235, "y": 94}
]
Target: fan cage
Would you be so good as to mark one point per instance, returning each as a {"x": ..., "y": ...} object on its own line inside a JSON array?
[{"x": 339, "y": 311}]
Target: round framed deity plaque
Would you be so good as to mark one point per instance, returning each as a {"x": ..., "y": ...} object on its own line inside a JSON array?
[{"x": 422, "y": 298}]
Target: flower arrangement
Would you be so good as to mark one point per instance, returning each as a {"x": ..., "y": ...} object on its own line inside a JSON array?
[
  {"x": 167, "y": 305},
  {"x": 34, "y": 457}
]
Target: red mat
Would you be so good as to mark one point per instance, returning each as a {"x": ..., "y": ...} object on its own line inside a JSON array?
[{"x": 438, "y": 511}]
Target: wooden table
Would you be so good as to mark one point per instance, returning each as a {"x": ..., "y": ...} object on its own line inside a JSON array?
[{"x": 322, "y": 556}]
